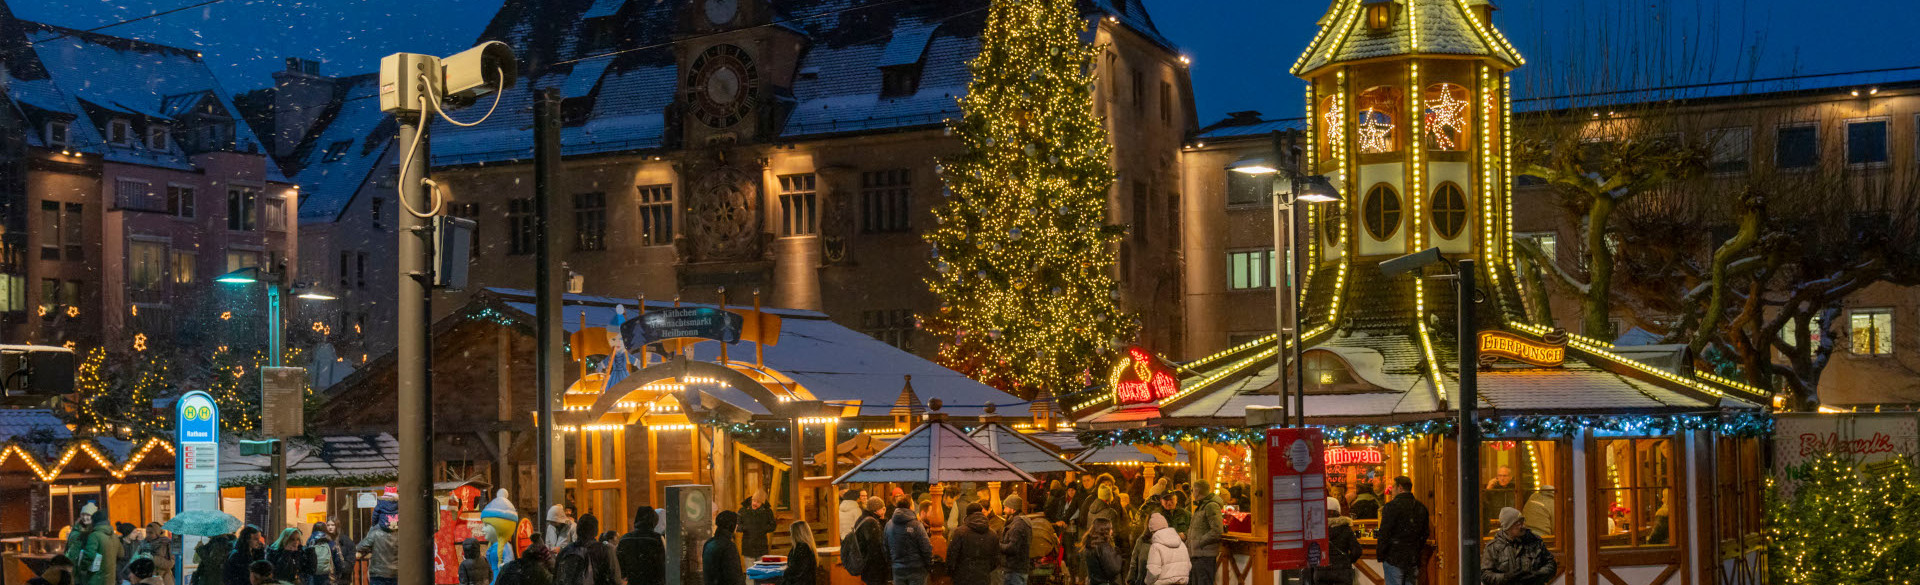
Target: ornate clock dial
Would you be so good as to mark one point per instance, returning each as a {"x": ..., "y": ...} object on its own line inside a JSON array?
[
  {"x": 721, "y": 12},
  {"x": 724, "y": 85}
]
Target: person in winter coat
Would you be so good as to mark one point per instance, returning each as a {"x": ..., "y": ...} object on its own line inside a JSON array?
[
  {"x": 1516, "y": 556},
  {"x": 642, "y": 553},
  {"x": 973, "y": 552},
  {"x": 77, "y": 536},
  {"x": 100, "y": 560},
  {"x": 1539, "y": 511},
  {"x": 870, "y": 531},
  {"x": 1168, "y": 562},
  {"x": 850, "y": 508},
  {"x": 560, "y": 528},
  {"x": 756, "y": 522},
  {"x": 1204, "y": 536},
  {"x": 908, "y": 545},
  {"x": 343, "y": 554},
  {"x": 597, "y": 558},
  {"x": 380, "y": 547},
  {"x": 1104, "y": 565},
  {"x": 1402, "y": 537},
  {"x": 803, "y": 564},
  {"x": 530, "y": 568},
  {"x": 324, "y": 557},
  {"x": 1343, "y": 548},
  {"x": 158, "y": 545},
  {"x": 1366, "y": 506},
  {"x": 1014, "y": 543},
  {"x": 720, "y": 559},
  {"x": 288, "y": 558},
  {"x": 473, "y": 563},
  {"x": 249, "y": 547},
  {"x": 211, "y": 558}
]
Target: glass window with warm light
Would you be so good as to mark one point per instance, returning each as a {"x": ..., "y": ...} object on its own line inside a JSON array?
[
  {"x": 1872, "y": 330},
  {"x": 1524, "y": 475},
  {"x": 1449, "y": 114},
  {"x": 1636, "y": 481},
  {"x": 1374, "y": 120}
]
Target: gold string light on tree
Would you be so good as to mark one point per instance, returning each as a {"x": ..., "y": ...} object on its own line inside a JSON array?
[{"x": 1023, "y": 257}]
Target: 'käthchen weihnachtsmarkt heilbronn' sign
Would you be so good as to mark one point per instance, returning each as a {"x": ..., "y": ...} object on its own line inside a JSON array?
[{"x": 680, "y": 323}]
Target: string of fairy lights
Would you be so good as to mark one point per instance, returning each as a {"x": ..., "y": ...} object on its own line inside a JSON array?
[
  {"x": 1023, "y": 259},
  {"x": 1520, "y": 426}
]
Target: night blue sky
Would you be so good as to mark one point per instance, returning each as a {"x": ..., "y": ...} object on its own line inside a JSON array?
[{"x": 1241, "y": 48}]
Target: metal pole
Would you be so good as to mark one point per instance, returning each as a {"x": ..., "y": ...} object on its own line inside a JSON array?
[
  {"x": 415, "y": 362},
  {"x": 1293, "y": 296},
  {"x": 546, "y": 299},
  {"x": 276, "y": 341},
  {"x": 1281, "y": 303},
  {"x": 1469, "y": 428}
]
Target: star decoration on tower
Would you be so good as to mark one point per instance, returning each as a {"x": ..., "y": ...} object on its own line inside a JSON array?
[
  {"x": 1447, "y": 113},
  {"x": 1375, "y": 131},
  {"x": 1334, "y": 116}
]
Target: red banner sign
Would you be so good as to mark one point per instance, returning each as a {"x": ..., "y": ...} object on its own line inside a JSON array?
[
  {"x": 1141, "y": 379},
  {"x": 1337, "y": 456},
  {"x": 1296, "y": 476}
]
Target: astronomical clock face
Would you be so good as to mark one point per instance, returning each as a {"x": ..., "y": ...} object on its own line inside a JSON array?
[
  {"x": 720, "y": 216},
  {"x": 724, "y": 85}
]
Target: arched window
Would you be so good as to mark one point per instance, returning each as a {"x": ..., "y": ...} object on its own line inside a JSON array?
[
  {"x": 1374, "y": 119},
  {"x": 1382, "y": 211},
  {"x": 1449, "y": 210},
  {"x": 1449, "y": 111},
  {"x": 1333, "y": 120},
  {"x": 1329, "y": 226}
]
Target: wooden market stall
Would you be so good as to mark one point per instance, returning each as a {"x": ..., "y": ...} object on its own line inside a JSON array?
[{"x": 47, "y": 474}]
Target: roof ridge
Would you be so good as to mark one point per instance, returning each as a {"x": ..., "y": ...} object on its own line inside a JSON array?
[{"x": 102, "y": 39}]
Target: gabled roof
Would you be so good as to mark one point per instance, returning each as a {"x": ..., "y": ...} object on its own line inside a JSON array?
[
  {"x": 353, "y": 457},
  {"x": 330, "y": 179},
  {"x": 1446, "y": 27},
  {"x": 17, "y": 423},
  {"x": 1027, "y": 453},
  {"x": 933, "y": 452}
]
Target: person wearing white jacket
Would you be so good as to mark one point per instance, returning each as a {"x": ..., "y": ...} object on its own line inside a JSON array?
[{"x": 1167, "y": 561}]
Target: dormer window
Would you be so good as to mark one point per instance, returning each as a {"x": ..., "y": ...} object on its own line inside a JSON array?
[
  {"x": 899, "y": 80},
  {"x": 157, "y": 137},
  {"x": 120, "y": 131},
  {"x": 336, "y": 151},
  {"x": 59, "y": 135},
  {"x": 1380, "y": 14}
]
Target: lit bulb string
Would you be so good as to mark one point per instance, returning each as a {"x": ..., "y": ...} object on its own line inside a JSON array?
[
  {"x": 1414, "y": 146},
  {"x": 1731, "y": 424},
  {"x": 49, "y": 473},
  {"x": 1352, "y": 12},
  {"x": 1592, "y": 348}
]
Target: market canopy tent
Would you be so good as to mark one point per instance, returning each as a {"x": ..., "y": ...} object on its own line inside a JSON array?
[
  {"x": 934, "y": 452},
  {"x": 1132, "y": 454},
  {"x": 1024, "y": 452}
]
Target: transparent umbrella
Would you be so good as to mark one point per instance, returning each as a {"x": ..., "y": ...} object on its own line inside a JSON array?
[{"x": 203, "y": 523}]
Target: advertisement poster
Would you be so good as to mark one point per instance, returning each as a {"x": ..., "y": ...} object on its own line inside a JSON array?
[
  {"x": 1867, "y": 437},
  {"x": 1297, "y": 478}
]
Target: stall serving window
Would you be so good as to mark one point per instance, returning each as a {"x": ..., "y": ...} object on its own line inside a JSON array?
[
  {"x": 1636, "y": 482},
  {"x": 1525, "y": 475},
  {"x": 1357, "y": 474}
]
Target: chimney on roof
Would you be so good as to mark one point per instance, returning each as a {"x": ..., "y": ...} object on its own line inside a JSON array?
[
  {"x": 1243, "y": 118},
  {"x": 300, "y": 95}
]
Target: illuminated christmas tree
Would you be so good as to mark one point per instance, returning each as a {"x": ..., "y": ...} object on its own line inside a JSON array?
[
  {"x": 1023, "y": 254},
  {"x": 1846, "y": 523}
]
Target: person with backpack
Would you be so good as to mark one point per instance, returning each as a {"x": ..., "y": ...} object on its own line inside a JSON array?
[
  {"x": 1343, "y": 548},
  {"x": 380, "y": 547},
  {"x": 1203, "y": 538},
  {"x": 586, "y": 561},
  {"x": 530, "y": 568},
  {"x": 908, "y": 546},
  {"x": 720, "y": 559},
  {"x": 324, "y": 558},
  {"x": 973, "y": 552},
  {"x": 1104, "y": 565},
  {"x": 1402, "y": 537},
  {"x": 642, "y": 554},
  {"x": 211, "y": 558},
  {"x": 864, "y": 552},
  {"x": 1016, "y": 543},
  {"x": 1168, "y": 562}
]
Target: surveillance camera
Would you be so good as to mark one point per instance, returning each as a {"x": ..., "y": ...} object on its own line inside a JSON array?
[{"x": 488, "y": 67}]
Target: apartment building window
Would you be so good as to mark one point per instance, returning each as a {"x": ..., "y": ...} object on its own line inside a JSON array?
[
  {"x": 343, "y": 270},
  {"x": 238, "y": 259},
  {"x": 468, "y": 210},
  {"x": 241, "y": 215},
  {"x": 656, "y": 215},
  {"x": 180, "y": 200},
  {"x": 336, "y": 151},
  {"x": 1140, "y": 212},
  {"x": 1867, "y": 143},
  {"x": 182, "y": 264},
  {"x": 1139, "y": 91},
  {"x": 56, "y": 295},
  {"x": 61, "y": 229},
  {"x": 360, "y": 270},
  {"x": 893, "y": 327},
  {"x": 120, "y": 131},
  {"x": 884, "y": 200},
  {"x": 59, "y": 135},
  {"x": 1246, "y": 189},
  {"x": 1796, "y": 147},
  {"x": 1166, "y": 103},
  {"x": 1872, "y": 330},
  {"x": 589, "y": 221},
  {"x": 1250, "y": 269},
  {"x": 520, "y": 228},
  {"x": 378, "y": 210},
  {"x": 1173, "y": 218},
  {"x": 137, "y": 195},
  {"x": 147, "y": 271},
  {"x": 276, "y": 211},
  {"x": 1732, "y": 150},
  {"x": 797, "y": 211},
  {"x": 157, "y": 137},
  {"x": 1548, "y": 242}
]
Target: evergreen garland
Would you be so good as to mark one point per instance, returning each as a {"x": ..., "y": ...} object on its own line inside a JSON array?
[
  {"x": 1022, "y": 254},
  {"x": 1728, "y": 424},
  {"x": 1844, "y": 523}
]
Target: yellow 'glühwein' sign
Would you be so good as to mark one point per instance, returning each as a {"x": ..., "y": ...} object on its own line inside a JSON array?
[{"x": 1521, "y": 349}]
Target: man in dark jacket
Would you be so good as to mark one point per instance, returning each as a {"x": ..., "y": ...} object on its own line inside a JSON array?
[
  {"x": 720, "y": 560},
  {"x": 1203, "y": 539},
  {"x": 642, "y": 554},
  {"x": 1014, "y": 542},
  {"x": 870, "y": 531},
  {"x": 1402, "y": 538},
  {"x": 908, "y": 545},
  {"x": 1516, "y": 556},
  {"x": 587, "y": 556},
  {"x": 756, "y": 522},
  {"x": 530, "y": 568},
  {"x": 973, "y": 551}
]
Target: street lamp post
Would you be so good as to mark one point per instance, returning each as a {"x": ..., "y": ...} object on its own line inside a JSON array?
[
  {"x": 277, "y": 285},
  {"x": 1300, "y": 187}
]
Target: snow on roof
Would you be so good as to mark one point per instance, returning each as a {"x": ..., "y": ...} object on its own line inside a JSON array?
[
  {"x": 1441, "y": 26},
  {"x": 833, "y": 362},
  {"x": 333, "y": 457},
  {"x": 909, "y": 43},
  {"x": 584, "y": 77},
  {"x": 1222, "y": 130},
  {"x": 337, "y": 159},
  {"x": 1127, "y": 454},
  {"x": 934, "y": 452},
  {"x": 1027, "y": 453},
  {"x": 17, "y": 423}
]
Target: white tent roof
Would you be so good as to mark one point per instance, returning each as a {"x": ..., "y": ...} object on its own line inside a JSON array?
[
  {"x": 1025, "y": 452},
  {"x": 935, "y": 452}
]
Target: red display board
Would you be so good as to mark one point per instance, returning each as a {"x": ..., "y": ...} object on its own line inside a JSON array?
[{"x": 1297, "y": 490}]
